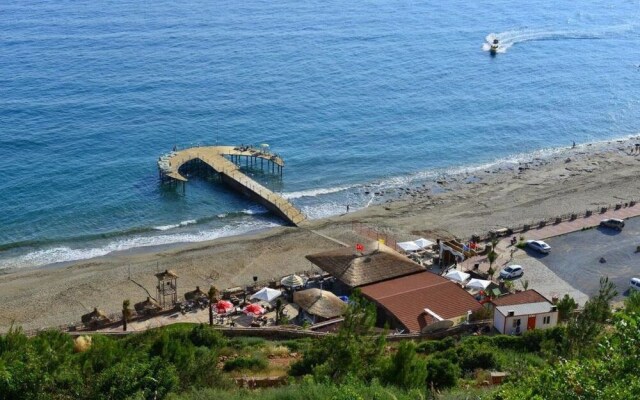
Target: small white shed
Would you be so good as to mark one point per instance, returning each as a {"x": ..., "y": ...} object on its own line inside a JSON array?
[{"x": 520, "y": 312}]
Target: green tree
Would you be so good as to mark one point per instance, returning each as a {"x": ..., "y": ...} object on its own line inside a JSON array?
[
  {"x": 405, "y": 369},
  {"x": 126, "y": 313},
  {"x": 280, "y": 317},
  {"x": 442, "y": 373},
  {"x": 492, "y": 257},
  {"x": 566, "y": 306},
  {"x": 584, "y": 329},
  {"x": 632, "y": 303},
  {"x": 355, "y": 345}
]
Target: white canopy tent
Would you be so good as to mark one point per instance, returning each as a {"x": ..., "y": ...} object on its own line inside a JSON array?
[
  {"x": 409, "y": 246},
  {"x": 416, "y": 245},
  {"x": 457, "y": 276},
  {"x": 266, "y": 294},
  {"x": 479, "y": 284}
]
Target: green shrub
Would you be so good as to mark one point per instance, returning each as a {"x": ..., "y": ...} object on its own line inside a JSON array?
[
  {"x": 433, "y": 346},
  {"x": 241, "y": 343},
  {"x": 253, "y": 363},
  {"x": 204, "y": 335},
  {"x": 441, "y": 373},
  {"x": 472, "y": 357}
]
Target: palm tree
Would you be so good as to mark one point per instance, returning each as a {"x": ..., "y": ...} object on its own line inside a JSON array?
[
  {"x": 279, "y": 311},
  {"x": 126, "y": 313},
  {"x": 492, "y": 256},
  {"x": 211, "y": 295}
]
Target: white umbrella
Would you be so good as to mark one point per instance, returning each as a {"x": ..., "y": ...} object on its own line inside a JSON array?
[
  {"x": 292, "y": 281},
  {"x": 266, "y": 294},
  {"x": 479, "y": 284},
  {"x": 457, "y": 276}
]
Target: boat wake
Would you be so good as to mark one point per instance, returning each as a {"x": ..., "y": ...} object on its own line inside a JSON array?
[{"x": 509, "y": 38}]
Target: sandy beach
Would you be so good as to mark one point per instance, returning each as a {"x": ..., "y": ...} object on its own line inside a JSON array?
[{"x": 573, "y": 180}]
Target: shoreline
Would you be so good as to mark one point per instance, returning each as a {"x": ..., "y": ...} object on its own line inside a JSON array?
[
  {"x": 382, "y": 193},
  {"x": 508, "y": 196}
]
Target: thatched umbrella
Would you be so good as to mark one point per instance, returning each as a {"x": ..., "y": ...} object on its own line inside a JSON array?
[
  {"x": 95, "y": 318},
  {"x": 292, "y": 281},
  {"x": 357, "y": 269},
  {"x": 320, "y": 302},
  {"x": 149, "y": 306},
  {"x": 195, "y": 295}
]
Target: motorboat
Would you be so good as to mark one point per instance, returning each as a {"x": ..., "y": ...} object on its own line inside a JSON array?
[{"x": 494, "y": 46}]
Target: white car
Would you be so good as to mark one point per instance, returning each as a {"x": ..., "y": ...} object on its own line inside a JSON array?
[
  {"x": 634, "y": 284},
  {"x": 512, "y": 271},
  {"x": 539, "y": 246}
]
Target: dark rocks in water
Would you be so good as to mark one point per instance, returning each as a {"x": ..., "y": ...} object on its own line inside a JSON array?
[{"x": 367, "y": 192}]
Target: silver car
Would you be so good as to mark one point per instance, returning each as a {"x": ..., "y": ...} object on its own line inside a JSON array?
[{"x": 539, "y": 246}]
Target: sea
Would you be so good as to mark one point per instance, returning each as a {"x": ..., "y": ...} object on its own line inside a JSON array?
[{"x": 357, "y": 97}]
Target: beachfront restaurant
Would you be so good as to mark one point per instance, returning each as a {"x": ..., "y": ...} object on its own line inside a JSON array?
[
  {"x": 421, "y": 303},
  {"x": 352, "y": 268}
]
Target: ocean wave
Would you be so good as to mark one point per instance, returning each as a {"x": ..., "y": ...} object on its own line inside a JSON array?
[
  {"x": 508, "y": 38},
  {"x": 59, "y": 254},
  {"x": 253, "y": 210},
  {"x": 172, "y": 226},
  {"x": 316, "y": 192}
]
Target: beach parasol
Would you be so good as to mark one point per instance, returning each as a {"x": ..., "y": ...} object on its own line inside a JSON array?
[
  {"x": 479, "y": 284},
  {"x": 266, "y": 294},
  {"x": 457, "y": 276},
  {"x": 255, "y": 309},
  {"x": 320, "y": 302},
  {"x": 224, "y": 306},
  {"x": 292, "y": 281}
]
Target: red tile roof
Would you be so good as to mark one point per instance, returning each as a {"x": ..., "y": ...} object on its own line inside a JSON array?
[
  {"x": 525, "y": 297},
  {"x": 407, "y": 297}
]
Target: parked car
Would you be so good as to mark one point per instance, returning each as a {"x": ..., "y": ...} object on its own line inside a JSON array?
[
  {"x": 512, "y": 271},
  {"x": 539, "y": 245},
  {"x": 613, "y": 223},
  {"x": 634, "y": 284}
]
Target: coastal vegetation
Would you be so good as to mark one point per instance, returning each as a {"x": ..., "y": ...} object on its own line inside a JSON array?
[{"x": 594, "y": 355}]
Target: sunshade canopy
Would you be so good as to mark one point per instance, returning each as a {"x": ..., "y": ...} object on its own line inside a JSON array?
[
  {"x": 457, "y": 276},
  {"x": 266, "y": 294},
  {"x": 479, "y": 284}
]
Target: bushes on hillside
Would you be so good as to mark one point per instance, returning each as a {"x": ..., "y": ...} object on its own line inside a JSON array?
[{"x": 253, "y": 363}]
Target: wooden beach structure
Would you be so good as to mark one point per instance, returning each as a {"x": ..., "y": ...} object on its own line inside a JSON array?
[{"x": 226, "y": 161}]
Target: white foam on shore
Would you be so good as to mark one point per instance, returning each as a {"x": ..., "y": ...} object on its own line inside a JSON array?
[{"x": 61, "y": 254}]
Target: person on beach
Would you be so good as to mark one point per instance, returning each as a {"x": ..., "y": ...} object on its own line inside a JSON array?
[
  {"x": 347, "y": 208},
  {"x": 574, "y": 145}
]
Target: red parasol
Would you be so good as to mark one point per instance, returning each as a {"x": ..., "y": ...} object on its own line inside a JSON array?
[
  {"x": 223, "y": 306},
  {"x": 255, "y": 309}
]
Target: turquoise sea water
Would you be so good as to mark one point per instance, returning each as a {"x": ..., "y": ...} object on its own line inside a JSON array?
[{"x": 349, "y": 93}]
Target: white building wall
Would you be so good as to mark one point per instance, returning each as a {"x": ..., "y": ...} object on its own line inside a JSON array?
[
  {"x": 498, "y": 321},
  {"x": 553, "y": 321},
  {"x": 524, "y": 320}
]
